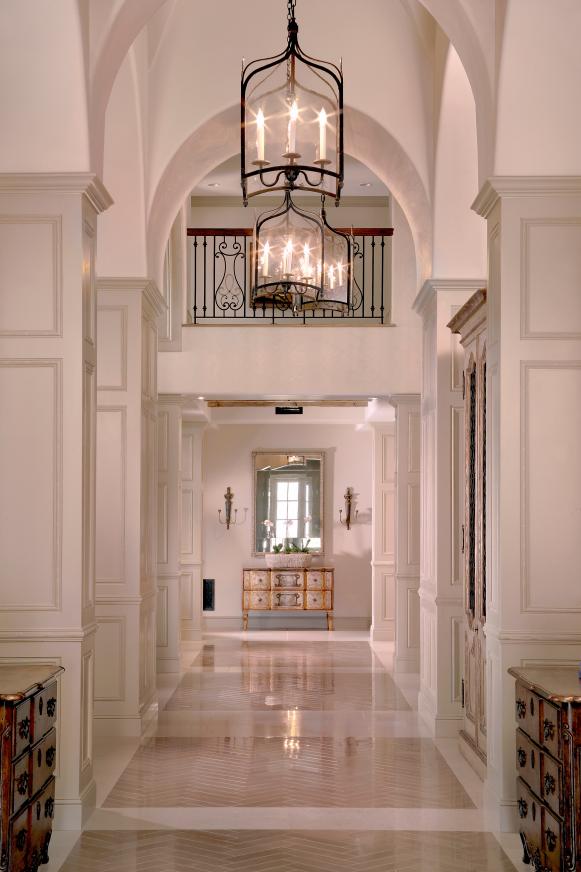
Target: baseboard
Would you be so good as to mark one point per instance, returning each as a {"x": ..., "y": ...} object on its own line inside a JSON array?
[
  {"x": 381, "y": 634},
  {"x": 318, "y": 621},
  {"x": 440, "y": 726},
  {"x": 189, "y": 635},
  {"x": 405, "y": 665},
  {"x": 73, "y": 814},
  {"x": 168, "y": 665},
  {"x": 125, "y": 727},
  {"x": 471, "y": 755}
]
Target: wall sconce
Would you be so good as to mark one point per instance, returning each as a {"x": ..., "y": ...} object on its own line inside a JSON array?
[
  {"x": 350, "y": 518},
  {"x": 228, "y": 500}
]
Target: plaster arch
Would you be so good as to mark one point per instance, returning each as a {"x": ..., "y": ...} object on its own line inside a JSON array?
[
  {"x": 129, "y": 17},
  {"x": 218, "y": 139}
]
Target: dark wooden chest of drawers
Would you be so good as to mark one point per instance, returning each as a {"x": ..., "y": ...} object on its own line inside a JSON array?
[
  {"x": 28, "y": 711},
  {"x": 548, "y": 763}
]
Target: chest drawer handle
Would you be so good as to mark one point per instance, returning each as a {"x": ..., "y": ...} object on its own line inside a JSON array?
[
  {"x": 549, "y": 783},
  {"x": 522, "y": 757},
  {"x": 22, "y": 784},
  {"x": 49, "y": 807},
  {"x": 40, "y": 705},
  {"x": 551, "y": 838},
  {"x": 50, "y": 756},
  {"x": 51, "y": 707},
  {"x": 21, "y": 840},
  {"x": 523, "y": 808},
  {"x": 521, "y": 708},
  {"x": 24, "y": 728},
  {"x": 548, "y": 730},
  {"x": 38, "y": 810}
]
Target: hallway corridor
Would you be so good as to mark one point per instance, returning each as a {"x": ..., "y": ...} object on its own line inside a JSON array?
[{"x": 290, "y": 752}]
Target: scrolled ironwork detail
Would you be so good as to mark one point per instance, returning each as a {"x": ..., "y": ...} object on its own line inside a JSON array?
[
  {"x": 49, "y": 807},
  {"x": 229, "y": 291},
  {"x": 24, "y": 728},
  {"x": 522, "y": 757},
  {"x": 521, "y": 709},
  {"x": 523, "y": 808},
  {"x": 51, "y": 707},
  {"x": 548, "y": 730},
  {"x": 50, "y": 756},
  {"x": 20, "y": 840}
]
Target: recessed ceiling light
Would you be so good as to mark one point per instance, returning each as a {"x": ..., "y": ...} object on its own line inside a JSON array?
[
  {"x": 201, "y": 398},
  {"x": 213, "y": 184},
  {"x": 365, "y": 185}
]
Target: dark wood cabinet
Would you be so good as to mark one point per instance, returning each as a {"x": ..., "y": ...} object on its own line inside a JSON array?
[
  {"x": 548, "y": 764},
  {"x": 28, "y": 749}
]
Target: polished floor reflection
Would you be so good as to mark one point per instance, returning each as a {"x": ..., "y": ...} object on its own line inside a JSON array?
[{"x": 286, "y": 752}]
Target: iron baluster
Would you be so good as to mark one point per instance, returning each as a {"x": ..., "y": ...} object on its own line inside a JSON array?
[
  {"x": 372, "y": 276},
  {"x": 205, "y": 244},
  {"x": 195, "y": 278},
  {"x": 363, "y": 279},
  {"x": 382, "y": 276}
]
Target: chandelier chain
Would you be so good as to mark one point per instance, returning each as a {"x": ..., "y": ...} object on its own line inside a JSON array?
[{"x": 291, "y": 9}]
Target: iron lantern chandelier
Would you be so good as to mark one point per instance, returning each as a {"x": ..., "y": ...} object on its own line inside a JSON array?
[
  {"x": 292, "y": 122},
  {"x": 299, "y": 261}
]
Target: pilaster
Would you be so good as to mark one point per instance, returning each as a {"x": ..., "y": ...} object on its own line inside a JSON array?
[
  {"x": 48, "y": 227},
  {"x": 442, "y": 484},
  {"x": 383, "y": 533},
  {"x": 128, "y": 311},
  {"x": 407, "y": 525},
  {"x": 191, "y": 521},
  {"x": 533, "y": 433}
]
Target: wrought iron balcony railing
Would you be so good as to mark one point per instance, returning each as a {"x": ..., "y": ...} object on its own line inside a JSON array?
[{"x": 220, "y": 280}]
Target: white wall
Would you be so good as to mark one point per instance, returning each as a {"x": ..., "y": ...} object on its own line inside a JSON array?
[{"x": 227, "y": 461}]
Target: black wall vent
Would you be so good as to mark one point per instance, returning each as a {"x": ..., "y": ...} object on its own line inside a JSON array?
[
  {"x": 288, "y": 410},
  {"x": 208, "y": 591}
]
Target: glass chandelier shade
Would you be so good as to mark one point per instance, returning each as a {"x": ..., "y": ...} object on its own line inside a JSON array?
[
  {"x": 300, "y": 261},
  {"x": 292, "y": 122}
]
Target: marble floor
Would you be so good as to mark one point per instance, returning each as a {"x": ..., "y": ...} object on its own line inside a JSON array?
[{"x": 280, "y": 751}]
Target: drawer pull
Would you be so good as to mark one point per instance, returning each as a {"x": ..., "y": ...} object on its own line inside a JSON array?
[
  {"x": 51, "y": 707},
  {"x": 551, "y": 838},
  {"x": 50, "y": 756},
  {"x": 548, "y": 730},
  {"x": 40, "y": 705},
  {"x": 523, "y": 808},
  {"x": 22, "y": 784},
  {"x": 49, "y": 807},
  {"x": 549, "y": 783},
  {"x": 532, "y": 758},
  {"x": 532, "y": 706},
  {"x": 24, "y": 728},
  {"x": 521, "y": 709},
  {"x": 522, "y": 757},
  {"x": 38, "y": 810},
  {"x": 21, "y": 840}
]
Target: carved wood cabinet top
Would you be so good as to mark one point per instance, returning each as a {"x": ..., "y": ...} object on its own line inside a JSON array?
[
  {"x": 558, "y": 684},
  {"x": 24, "y": 679}
]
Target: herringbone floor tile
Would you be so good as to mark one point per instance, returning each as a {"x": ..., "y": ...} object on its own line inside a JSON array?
[
  {"x": 298, "y": 851},
  {"x": 323, "y": 772},
  {"x": 304, "y": 690}
]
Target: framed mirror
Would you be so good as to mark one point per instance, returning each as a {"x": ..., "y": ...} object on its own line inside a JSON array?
[{"x": 288, "y": 499}]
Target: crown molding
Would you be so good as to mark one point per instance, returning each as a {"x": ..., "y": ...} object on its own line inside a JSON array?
[
  {"x": 86, "y": 184},
  {"x": 432, "y": 287},
  {"x": 497, "y": 187},
  {"x": 476, "y": 303},
  {"x": 139, "y": 284}
]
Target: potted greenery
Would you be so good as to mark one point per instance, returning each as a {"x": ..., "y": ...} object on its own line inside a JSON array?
[{"x": 289, "y": 555}]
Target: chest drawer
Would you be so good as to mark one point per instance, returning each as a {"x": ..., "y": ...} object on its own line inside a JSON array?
[
  {"x": 550, "y": 728},
  {"x": 527, "y": 711},
  {"x": 287, "y": 580},
  {"x": 542, "y": 774},
  {"x": 43, "y": 761},
  {"x": 319, "y": 599},
  {"x": 259, "y": 579},
  {"x": 45, "y": 710},
  {"x": 287, "y": 599},
  {"x": 42, "y": 813},
  {"x": 319, "y": 579},
  {"x": 540, "y": 829},
  {"x": 256, "y": 599},
  {"x": 22, "y": 730},
  {"x": 21, "y": 782}
]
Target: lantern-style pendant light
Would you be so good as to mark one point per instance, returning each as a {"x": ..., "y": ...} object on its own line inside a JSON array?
[
  {"x": 300, "y": 261},
  {"x": 292, "y": 122}
]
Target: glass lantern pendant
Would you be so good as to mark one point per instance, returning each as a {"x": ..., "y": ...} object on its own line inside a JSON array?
[
  {"x": 299, "y": 261},
  {"x": 292, "y": 122}
]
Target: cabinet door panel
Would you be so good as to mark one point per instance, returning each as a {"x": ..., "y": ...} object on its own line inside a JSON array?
[
  {"x": 260, "y": 579},
  {"x": 259, "y": 599},
  {"x": 315, "y": 599},
  {"x": 286, "y": 599},
  {"x": 315, "y": 579},
  {"x": 287, "y": 580}
]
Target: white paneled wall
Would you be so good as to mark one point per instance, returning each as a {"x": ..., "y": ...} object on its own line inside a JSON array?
[
  {"x": 383, "y": 537},
  {"x": 127, "y": 313},
  {"x": 169, "y": 532},
  {"x": 442, "y": 464},
  {"x": 191, "y": 527},
  {"x": 47, "y": 451},
  {"x": 533, "y": 437},
  {"x": 407, "y": 520}
]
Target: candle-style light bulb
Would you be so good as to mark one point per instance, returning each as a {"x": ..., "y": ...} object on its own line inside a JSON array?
[
  {"x": 265, "y": 254},
  {"x": 331, "y": 277},
  {"x": 322, "y": 135},
  {"x": 287, "y": 258},
  {"x": 292, "y": 128},
  {"x": 340, "y": 272},
  {"x": 260, "y": 136},
  {"x": 306, "y": 260}
]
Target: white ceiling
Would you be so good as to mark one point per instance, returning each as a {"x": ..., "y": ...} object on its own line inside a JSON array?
[{"x": 360, "y": 181}]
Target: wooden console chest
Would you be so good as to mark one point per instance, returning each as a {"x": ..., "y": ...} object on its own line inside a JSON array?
[
  {"x": 28, "y": 712},
  {"x": 548, "y": 763},
  {"x": 293, "y": 590}
]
